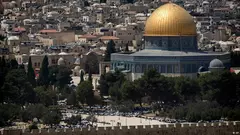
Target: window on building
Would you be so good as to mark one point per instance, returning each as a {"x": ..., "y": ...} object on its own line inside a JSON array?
[
  {"x": 176, "y": 68},
  {"x": 182, "y": 68},
  {"x": 188, "y": 68},
  {"x": 144, "y": 67},
  {"x": 169, "y": 68},
  {"x": 38, "y": 64},
  {"x": 160, "y": 43},
  {"x": 162, "y": 68},
  {"x": 35, "y": 64},
  {"x": 194, "y": 68}
]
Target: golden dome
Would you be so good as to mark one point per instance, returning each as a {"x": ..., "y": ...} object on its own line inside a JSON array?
[{"x": 170, "y": 20}]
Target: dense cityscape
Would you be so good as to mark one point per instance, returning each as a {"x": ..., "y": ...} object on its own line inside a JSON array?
[{"x": 111, "y": 63}]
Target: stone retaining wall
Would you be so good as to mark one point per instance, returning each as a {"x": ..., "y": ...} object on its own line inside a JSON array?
[{"x": 228, "y": 128}]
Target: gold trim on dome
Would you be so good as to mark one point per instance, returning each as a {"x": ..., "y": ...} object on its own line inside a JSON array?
[{"x": 170, "y": 20}]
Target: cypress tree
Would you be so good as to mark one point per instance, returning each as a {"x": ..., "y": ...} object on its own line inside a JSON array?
[
  {"x": 3, "y": 73},
  {"x": 86, "y": 4},
  {"x": 102, "y": 1},
  {"x": 81, "y": 76},
  {"x": 43, "y": 75},
  {"x": 3, "y": 62},
  {"x": 89, "y": 76},
  {"x": 30, "y": 73},
  {"x": 110, "y": 49},
  {"x": 126, "y": 48},
  {"x": 13, "y": 64}
]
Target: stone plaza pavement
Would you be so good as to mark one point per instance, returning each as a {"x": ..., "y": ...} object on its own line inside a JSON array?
[{"x": 124, "y": 121}]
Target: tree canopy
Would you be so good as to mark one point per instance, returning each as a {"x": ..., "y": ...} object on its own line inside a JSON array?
[
  {"x": 31, "y": 73},
  {"x": 60, "y": 76},
  {"x": 85, "y": 92},
  {"x": 110, "y": 49},
  {"x": 17, "y": 89},
  {"x": 44, "y": 72}
]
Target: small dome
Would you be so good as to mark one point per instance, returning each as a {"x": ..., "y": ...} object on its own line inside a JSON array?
[
  {"x": 13, "y": 38},
  {"x": 119, "y": 26},
  {"x": 205, "y": 2},
  {"x": 216, "y": 63},
  {"x": 61, "y": 61},
  {"x": 139, "y": 15},
  {"x": 77, "y": 61},
  {"x": 202, "y": 69},
  {"x": 63, "y": 53},
  {"x": 77, "y": 68}
]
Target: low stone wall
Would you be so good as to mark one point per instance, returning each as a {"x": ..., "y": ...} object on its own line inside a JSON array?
[{"x": 228, "y": 128}]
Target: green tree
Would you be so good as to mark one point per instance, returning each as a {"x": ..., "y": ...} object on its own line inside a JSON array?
[
  {"x": 139, "y": 91},
  {"x": 60, "y": 76},
  {"x": 74, "y": 120},
  {"x": 81, "y": 76},
  {"x": 155, "y": 85},
  {"x": 130, "y": 1},
  {"x": 85, "y": 93},
  {"x": 30, "y": 73},
  {"x": 17, "y": 89},
  {"x": 13, "y": 64},
  {"x": 53, "y": 71},
  {"x": 72, "y": 99},
  {"x": 90, "y": 75},
  {"x": 33, "y": 111},
  {"x": 186, "y": 88},
  {"x": 193, "y": 112},
  {"x": 44, "y": 73},
  {"x": 8, "y": 113},
  {"x": 126, "y": 48},
  {"x": 220, "y": 87},
  {"x": 115, "y": 92},
  {"x": 115, "y": 81},
  {"x": 46, "y": 96},
  {"x": 63, "y": 77},
  {"x": 102, "y": 1},
  {"x": 3, "y": 73},
  {"x": 110, "y": 50},
  {"x": 133, "y": 91},
  {"x": 233, "y": 114},
  {"x": 2, "y": 38},
  {"x": 103, "y": 86},
  {"x": 237, "y": 78},
  {"x": 227, "y": 96},
  {"x": 110, "y": 84},
  {"x": 86, "y": 4},
  {"x": 128, "y": 91},
  {"x": 52, "y": 117},
  {"x": 126, "y": 106},
  {"x": 209, "y": 84}
]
